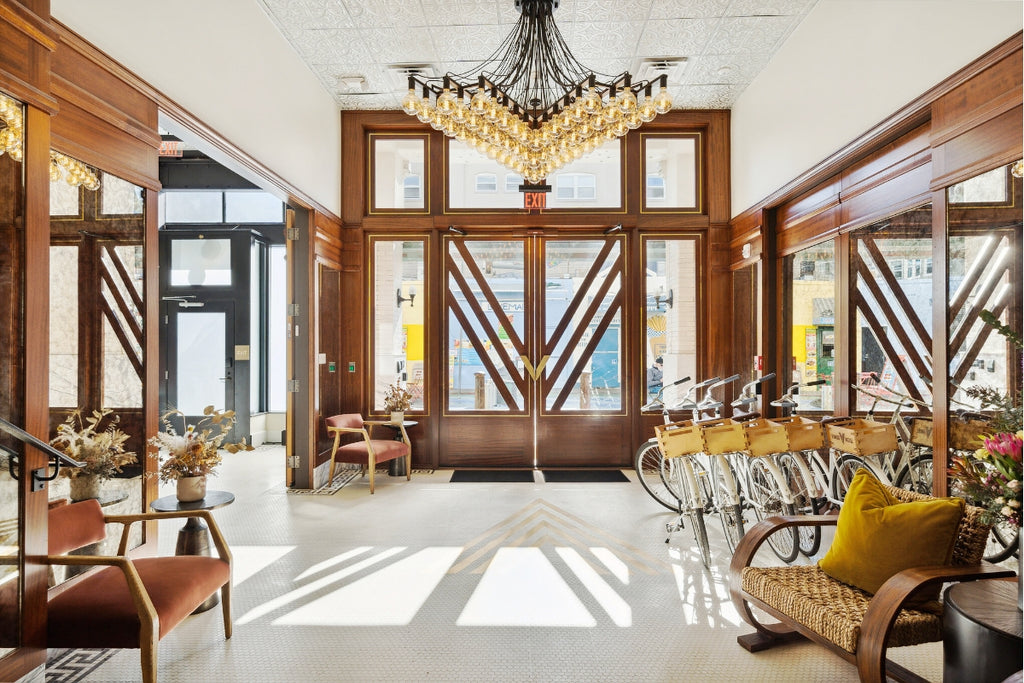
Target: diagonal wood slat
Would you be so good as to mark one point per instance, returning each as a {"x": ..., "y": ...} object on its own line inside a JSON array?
[
  {"x": 125, "y": 278},
  {"x": 485, "y": 358},
  {"x": 485, "y": 288},
  {"x": 481, "y": 316},
  {"x": 129, "y": 352},
  {"x": 897, "y": 291},
  {"x": 913, "y": 351},
  {"x": 973, "y": 275},
  {"x": 130, "y": 321},
  {"x": 577, "y": 300},
  {"x": 884, "y": 341},
  {"x": 574, "y": 375},
  {"x": 982, "y": 299},
  {"x": 588, "y": 316},
  {"x": 971, "y": 354}
]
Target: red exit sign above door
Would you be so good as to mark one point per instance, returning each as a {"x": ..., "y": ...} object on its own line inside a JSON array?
[{"x": 535, "y": 197}]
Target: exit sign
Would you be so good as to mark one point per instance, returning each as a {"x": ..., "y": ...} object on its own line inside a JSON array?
[
  {"x": 535, "y": 196},
  {"x": 535, "y": 200}
]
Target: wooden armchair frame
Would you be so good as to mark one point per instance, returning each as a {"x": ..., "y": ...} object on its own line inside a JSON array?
[
  {"x": 371, "y": 454},
  {"x": 148, "y": 614},
  {"x": 877, "y": 624}
]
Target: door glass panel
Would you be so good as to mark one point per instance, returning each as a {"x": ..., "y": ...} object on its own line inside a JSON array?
[
  {"x": 64, "y": 327},
  {"x": 984, "y": 257},
  {"x": 891, "y": 271},
  {"x": 200, "y": 360},
  {"x": 486, "y": 325},
  {"x": 670, "y": 311},
  {"x": 398, "y": 307},
  {"x": 201, "y": 263},
  {"x": 119, "y": 197},
  {"x": 582, "y": 325}
]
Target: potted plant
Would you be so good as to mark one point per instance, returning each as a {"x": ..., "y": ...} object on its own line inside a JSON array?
[
  {"x": 102, "y": 451},
  {"x": 397, "y": 400},
  {"x": 190, "y": 457}
]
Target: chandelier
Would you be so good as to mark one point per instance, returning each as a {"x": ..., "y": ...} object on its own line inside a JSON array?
[
  {"x": 12, "y": 132},
  {"x": 531, "y": 105}
]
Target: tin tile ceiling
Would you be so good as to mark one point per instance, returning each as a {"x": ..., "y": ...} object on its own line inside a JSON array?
[{"x": 353, "y": 46}]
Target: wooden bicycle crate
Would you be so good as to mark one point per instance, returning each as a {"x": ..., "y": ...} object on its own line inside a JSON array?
[
  {"x": 921, "y": 431},
  {"x": 723, "y": 436},
  {"x": 676, "y": 439},
  {"x": 862, "y": 437},
  {"x": 803, "y": 434},
  {"x": 966, "y": 435},
  {"x": 766, "y": 438}
]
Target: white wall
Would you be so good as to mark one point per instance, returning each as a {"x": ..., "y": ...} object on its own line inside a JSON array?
[
  {"x": 226, "y": 63},
  {"x": 849, "y": 65}
]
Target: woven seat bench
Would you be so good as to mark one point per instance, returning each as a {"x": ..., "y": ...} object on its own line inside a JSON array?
[{"x": 852, "y": 623}]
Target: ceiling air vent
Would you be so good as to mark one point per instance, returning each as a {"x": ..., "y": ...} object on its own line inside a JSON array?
[
  {"x": 654, "y": 67},
  {"x": 399, "y": 73}
]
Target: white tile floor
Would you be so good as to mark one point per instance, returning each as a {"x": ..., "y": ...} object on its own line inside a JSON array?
[{"x": 428, "y": 580}]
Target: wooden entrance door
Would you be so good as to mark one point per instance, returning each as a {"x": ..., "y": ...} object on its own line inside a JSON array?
[{"x": 534, "y": 352}]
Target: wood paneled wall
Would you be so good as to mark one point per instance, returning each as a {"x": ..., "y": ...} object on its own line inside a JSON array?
[
  {"x": 972, "y": 122},
  {"x": 358, "y": 222}
]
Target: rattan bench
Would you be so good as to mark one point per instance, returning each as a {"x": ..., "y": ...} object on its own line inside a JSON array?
[{"x": 852, "y": 623}]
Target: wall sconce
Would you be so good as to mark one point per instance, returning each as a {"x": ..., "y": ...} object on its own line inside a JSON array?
[
  {"x": 659, "y": 300},
  {"x": 399, "y": 298}
]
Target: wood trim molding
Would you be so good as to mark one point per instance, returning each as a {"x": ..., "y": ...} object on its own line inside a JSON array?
[
  {"x": 74, "y": 94},
  {"x": 28, "y": 93},
  {"x": 28, "y": 22}
]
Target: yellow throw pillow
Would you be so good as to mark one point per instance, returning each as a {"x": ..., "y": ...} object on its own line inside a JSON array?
[{"x": 877, "y": 536}]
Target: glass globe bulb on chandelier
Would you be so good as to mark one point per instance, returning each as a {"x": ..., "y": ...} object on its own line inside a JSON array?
[{"x": 531, "y": 105}]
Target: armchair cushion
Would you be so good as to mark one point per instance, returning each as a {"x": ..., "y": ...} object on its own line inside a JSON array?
[
  {"x": 878, "y": 536},
  {"x": 176, "y": 585},
  {"x": 383, "y": 450}
]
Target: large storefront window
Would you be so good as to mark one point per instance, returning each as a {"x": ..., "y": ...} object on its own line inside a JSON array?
[
  {"x": 810, "y": 280},
  {"x": 671, "y": 333},
  {"x": 399, "y": 303},
  {"x": 891, "y": 271}
]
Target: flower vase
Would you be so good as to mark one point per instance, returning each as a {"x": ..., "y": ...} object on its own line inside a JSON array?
[
  {"x": 85, "y": 486},
  {"x": 397, "y": 417},
  {"x": 191, "y": 489}
]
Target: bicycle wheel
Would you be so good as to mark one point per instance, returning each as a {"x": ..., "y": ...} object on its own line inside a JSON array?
[
  {"x": 1002, "y": 542},
  {"x": 804, "y": 501},
  {"x": 648, "y": 466},
  {"x": 767, "y": 499},
  {"x": 916, "y": 476},
  {"x": 845, "y": 466},
  {"x": 731, "y": 515}
]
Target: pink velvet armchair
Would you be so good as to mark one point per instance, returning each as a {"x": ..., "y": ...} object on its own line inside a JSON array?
[{"x": 365, "y": 451}]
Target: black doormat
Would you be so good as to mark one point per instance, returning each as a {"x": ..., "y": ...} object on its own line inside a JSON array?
[
  {"x": 583, "y": 476},
  {"x": 491, "y": 476}
]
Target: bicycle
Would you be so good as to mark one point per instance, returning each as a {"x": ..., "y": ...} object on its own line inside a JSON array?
[{"x": 648, "y": 461}]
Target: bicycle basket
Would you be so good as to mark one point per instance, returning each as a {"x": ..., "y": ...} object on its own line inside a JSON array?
[
  {"x": 966, "y": 435},
  {"x": 766, "y": 438},
  {"x": 723, "y": 436},
  {"x": 921, "y": 431},
  {"x": 803, "y": 434},
  {"x": 679, "y": 438},
  {"x": 862, "y": 437}
]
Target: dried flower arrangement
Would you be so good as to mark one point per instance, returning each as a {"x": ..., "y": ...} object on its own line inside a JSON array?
[
  {"x": 397, "y": 398},
  {"x": 102, "y": 451},
  {"x": 195, "y": 453}
]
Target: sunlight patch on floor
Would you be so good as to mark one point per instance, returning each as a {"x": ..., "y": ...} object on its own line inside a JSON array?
[
  {"x": 250, "y": 559},
  {"x": 522, "y": 588},
  {"x": 391, "y": 596}
]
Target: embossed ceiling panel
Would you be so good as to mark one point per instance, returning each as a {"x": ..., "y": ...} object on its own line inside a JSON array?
[{"x": 726, "y": 43}]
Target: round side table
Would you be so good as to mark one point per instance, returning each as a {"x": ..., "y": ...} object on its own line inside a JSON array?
[
  {"x": 194, "y": 537},
  {"x": 981, "y": 631},
  {"x": 396, "y": 468}
]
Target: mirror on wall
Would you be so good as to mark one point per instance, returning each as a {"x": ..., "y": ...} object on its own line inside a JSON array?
[
  {"x": 97, "y": 226},
  {"x": 809, "y": 295},
  {"x": 12, "y": 333}
]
